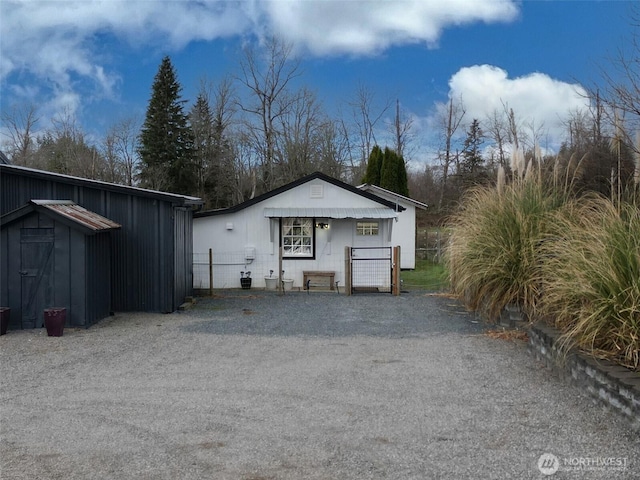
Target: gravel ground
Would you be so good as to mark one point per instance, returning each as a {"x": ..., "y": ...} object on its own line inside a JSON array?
[{"x": 256, "y": 386}]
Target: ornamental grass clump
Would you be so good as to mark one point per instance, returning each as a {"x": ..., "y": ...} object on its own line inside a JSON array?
[
  {"x": 494, "y": 256},
  {"x": 591, "y": 273}
]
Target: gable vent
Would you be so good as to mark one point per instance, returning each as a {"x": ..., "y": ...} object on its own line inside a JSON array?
[{"x": 317, "y": 191}]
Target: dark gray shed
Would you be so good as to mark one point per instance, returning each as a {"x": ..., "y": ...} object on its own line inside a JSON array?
[
  {"x": 151, "y": 255},
  {"x": 56, "y": 254}
]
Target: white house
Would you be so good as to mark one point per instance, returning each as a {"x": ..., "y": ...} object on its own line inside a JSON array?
[
  {"x": 303, "y": 227},
  {"x": 404, "y": 231}
]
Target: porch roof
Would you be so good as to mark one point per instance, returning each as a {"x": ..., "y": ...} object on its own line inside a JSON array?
[{"x": 357, "y": 213}]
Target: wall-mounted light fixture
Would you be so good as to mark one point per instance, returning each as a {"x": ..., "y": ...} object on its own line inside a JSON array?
[{"x": 322, "y": 225}]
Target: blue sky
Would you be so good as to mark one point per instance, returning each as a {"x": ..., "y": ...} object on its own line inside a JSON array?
[{"x": 97, "y": 60}]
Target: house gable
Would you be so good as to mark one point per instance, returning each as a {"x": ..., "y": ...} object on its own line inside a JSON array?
[{"x": 315, "y": 190}]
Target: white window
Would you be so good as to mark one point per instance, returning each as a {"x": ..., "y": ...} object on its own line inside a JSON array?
[
  {"x": 367, "y": 228},
  {"x": 297, "y": 237}
]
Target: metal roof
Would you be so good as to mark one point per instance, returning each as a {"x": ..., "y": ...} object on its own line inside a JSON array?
[
  {"x": 314, "y": 176},
  {"x": 71, "y": 180},
  {"x": 78, "y": 214},
  {"x": 330, "y": 213},
  {"x": 389, "y": 195}
]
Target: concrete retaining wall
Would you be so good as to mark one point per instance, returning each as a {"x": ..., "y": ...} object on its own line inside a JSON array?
[{"x": 613, "y": 386}]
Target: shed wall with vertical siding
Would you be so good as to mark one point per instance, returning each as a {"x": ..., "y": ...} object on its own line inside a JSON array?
[
  {"x": 80, "y": 280},
  {"x": 151, "y": 255}
]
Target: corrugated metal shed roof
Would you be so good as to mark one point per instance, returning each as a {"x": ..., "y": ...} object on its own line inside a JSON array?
[
  {"x": 78, "y": 214},
  {"x": 330, "y": 213}
]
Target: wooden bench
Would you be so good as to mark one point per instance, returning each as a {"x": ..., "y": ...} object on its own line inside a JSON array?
[{"x": 318, "y": 279}]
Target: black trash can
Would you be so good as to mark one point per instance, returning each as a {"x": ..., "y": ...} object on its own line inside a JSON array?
[
  {"x": 54, "y": 320},
  {"x": 5, "y": 315}
]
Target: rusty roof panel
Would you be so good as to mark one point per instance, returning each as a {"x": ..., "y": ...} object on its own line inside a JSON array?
[{"x": 78, "y": 214}]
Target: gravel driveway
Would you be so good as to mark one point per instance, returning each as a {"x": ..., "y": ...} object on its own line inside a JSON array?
[{"x": 255, "y": 386}]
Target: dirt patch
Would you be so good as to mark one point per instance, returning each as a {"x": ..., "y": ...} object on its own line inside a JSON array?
[{"x": 511, "y": 335}]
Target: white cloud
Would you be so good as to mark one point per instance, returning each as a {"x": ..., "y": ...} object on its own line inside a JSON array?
[
  {"x": 370, "y": 26},
  {"x": 52, "y": 44},
  {"x": 536, "y": 99},
  {"x": 55, "y": 42}
]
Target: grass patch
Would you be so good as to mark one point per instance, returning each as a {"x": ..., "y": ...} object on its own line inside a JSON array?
[{"x": 426, "y": 276}]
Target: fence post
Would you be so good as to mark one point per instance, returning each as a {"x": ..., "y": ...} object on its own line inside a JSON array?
[
  {"x": 347, "y": 270},
  {"x": 395, "y": 277},
  {"x": 211, "y": 272}
]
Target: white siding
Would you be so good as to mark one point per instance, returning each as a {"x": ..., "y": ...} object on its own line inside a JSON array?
[
  {"x": 250, "y": 229},
  {"x": 404, "y": 230},
  {"x": 404, "y": 234}
]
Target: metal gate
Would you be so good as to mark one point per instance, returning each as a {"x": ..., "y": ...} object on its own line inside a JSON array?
[{"x": 371, "y": 269}]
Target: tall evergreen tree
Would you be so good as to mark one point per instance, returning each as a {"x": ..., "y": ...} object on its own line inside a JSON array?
[
  {"x": 201, "y": 120},
  {"x": 213, "y": 156},
  {"x": 374, "y": 166},
  {"x": 403, "y": 181},
  {"x": 393, "y": 174},
  {"x": 166, "y": 141},
  {"x": 389, "y": 170},
  {"x": 473, "y": 163}
]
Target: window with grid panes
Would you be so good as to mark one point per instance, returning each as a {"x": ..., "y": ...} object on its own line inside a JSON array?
[
  {"x": 297, "y": 237},
  {"x": 367, "y": 228}
]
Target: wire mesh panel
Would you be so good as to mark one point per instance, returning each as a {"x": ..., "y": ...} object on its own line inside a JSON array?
[{"x": 371, "y": 269}]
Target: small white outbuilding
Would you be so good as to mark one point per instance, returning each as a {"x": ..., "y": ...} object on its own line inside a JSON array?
[
  {"x": 404, "y": 231},
  {"x": 303, "y": 227}
]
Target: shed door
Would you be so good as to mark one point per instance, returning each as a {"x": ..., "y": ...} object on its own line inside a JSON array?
[{"x": 36, "y": 261}]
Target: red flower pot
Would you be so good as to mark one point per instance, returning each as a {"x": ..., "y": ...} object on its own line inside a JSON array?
[{"x": 54, "y": 320}]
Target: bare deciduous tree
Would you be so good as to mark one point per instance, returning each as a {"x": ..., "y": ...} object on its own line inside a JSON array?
[
  {"x": 361, "y": 132},
  {"x": 401, "y": 131},
  {"x": 334, "y": 149},
  {"x": 449, "y": 121},
  {"x": 64, "y": 149},
  {"x": 224, "y": 113},
  {"x": 267, "y": 74},
  {"x": 119, "y": 150},
  {"x": 19, "y": 125},
  {"x": 298, "y": 148},
  {"x": 496, "y": 130}
]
